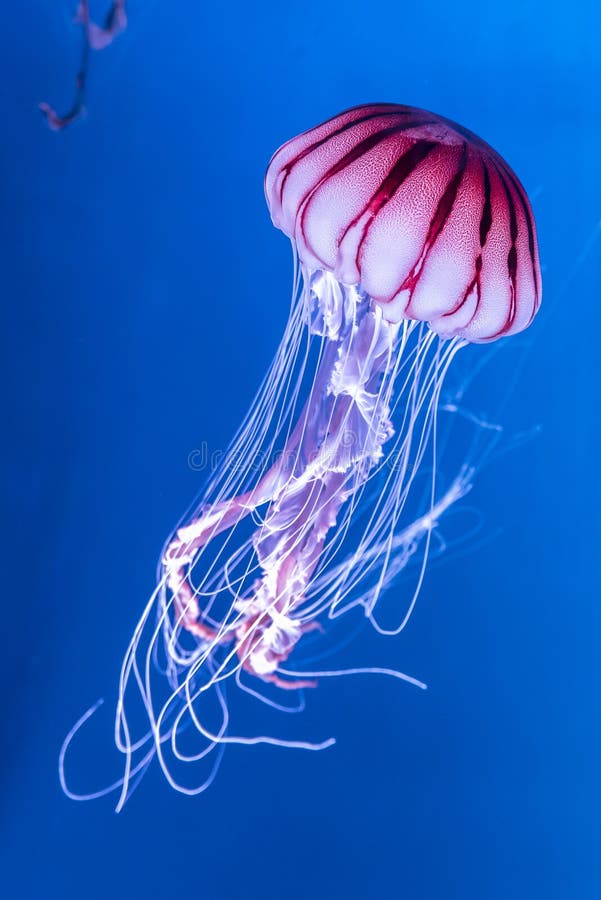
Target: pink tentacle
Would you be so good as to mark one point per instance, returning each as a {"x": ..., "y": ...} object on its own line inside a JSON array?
[{"x": 95, "y": 37}]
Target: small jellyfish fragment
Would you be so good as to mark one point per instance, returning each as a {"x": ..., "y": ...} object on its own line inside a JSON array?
[{"x": 95, "y": 37}]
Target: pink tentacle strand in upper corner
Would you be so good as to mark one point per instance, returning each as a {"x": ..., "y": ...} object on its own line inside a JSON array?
[{"x": 94, "y": 37}]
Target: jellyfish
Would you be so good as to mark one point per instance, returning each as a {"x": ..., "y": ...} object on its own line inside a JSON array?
[
  {"x": 95, "y": 37},
  {"x": 411, "y": 238}
]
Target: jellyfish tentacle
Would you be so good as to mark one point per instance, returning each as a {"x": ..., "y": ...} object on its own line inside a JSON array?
[
  {"x": 328, "y": 455},
  {"x": 262, "y": 562},
  {"x": 94, "y": 37},
  {"x": 303, "y": 504}
]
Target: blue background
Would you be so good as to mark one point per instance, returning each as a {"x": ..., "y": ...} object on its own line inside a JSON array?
[{"x": 144, "y": 292}]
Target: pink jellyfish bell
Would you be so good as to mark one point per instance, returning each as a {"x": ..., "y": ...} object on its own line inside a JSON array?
[
  {"x": 412, "y": 237},
  {"x": 418, "y": 212}
]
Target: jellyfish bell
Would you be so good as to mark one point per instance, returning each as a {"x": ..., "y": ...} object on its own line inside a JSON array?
[
  {"x": 424, "y": 215},
  {"x": 411, "y": 238}
]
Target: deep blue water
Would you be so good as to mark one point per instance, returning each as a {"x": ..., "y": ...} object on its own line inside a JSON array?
[{"x": 145, "y": 291}]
